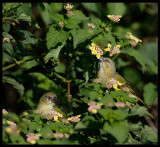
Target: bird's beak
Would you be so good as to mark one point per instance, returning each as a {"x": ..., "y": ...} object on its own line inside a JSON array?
[{"x": 101, "y": 59}]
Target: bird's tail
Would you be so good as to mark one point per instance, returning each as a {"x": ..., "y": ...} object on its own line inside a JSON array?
[{"x": 139, "y": 99}]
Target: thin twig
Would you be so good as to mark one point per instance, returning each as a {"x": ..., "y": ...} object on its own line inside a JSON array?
[
  {"x": 151, "y": 124},
  {"x": 69, "y": 92},
  {"x": 17, "y": 63}
]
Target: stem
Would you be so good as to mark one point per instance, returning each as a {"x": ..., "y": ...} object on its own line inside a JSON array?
[
  {"x": 60, "y": 77},
  {"x": 17, "y": 63},
  {"x": 69, "y": 92},
  {"x": 130, "y": 137}
]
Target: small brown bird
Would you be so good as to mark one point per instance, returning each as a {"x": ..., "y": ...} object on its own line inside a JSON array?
[
  {"x": 107, "y": 74},
  {"x": 47, "y": 103}
]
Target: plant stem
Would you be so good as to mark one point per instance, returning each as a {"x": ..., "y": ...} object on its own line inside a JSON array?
[
  {"x": 17, "y": 63},
  {"x": 130, "y": 137}
]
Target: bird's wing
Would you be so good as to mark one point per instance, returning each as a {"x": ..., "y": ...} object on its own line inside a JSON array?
[{"x": 125, "y": 84}]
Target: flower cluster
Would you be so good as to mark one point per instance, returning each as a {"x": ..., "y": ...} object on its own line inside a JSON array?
[
  {"x": 114, "y": 18},
  {"x": 54, "y": 115},
  {"x": 91, "y": 26},
  {"x": 93, "y": 107},
  {"x": 70, "y": 13},
  {"x": 13, "y": 128},
  {"x": 31, "y": 138},
  {"x": 74, "y": 118},
  {"x": 68, "y": 7},
  {"x": 61, "y": 24},
  {"x": 96, "y": 50},
  {"x": 4, "y": 111},
  {"x": 114, "y": 51},
  {"x": 61, "y": 135},
  {"x": 112, "y": 83},
  {"x": 134, "y": 39},
  {"x": 119, "y": 105}
]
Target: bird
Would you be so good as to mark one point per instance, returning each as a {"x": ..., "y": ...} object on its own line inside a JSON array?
[
  {"x": 48, "y": 103},
  {"x": 107, "y": 73}
]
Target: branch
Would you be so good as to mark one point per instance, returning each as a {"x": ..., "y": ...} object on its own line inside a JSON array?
[{"x": 17, "y": 63}]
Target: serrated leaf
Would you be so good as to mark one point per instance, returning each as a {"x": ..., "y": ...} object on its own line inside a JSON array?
[
  {"x": 54, "y": 53},
  {"x": 28, "y": 37},
  {"x": 45, "y": 131},
  {"x": 140, "y": 111},
  {"x": 79, "y": 36},
  {"x": 12, "y": 116},
  {"x": 150, "y": 93},
  {"x": 19, "y": 87},
  {"x": 78, "y": 15},
  {"x": 55, "y": 36},
  {"x": 34, "y": 126},
  {"x": 149, "y": 133},
  {"x": 138, "y": 56},
  {"x": 57, "y": 17},
  {"x": 8, "y": 48},
  {"x": 118, "y": 129}
]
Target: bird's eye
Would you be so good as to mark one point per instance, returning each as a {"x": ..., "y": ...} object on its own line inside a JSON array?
[
  {"x": 49, "y": 97},
  {"x": 107, "y": 60}
]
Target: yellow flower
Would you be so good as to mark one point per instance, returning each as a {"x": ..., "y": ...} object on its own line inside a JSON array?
[
  {"x": 38, "y": 135},
  {"x": 69, "y": 118},
  {"x": 119, "y": 83},
  {"x": 119, "y": 16},
  {"x": 8, "y": 129},
  {"x": 33, "y": 141},
  {"x": 107, "y": 49},
  {"x": 94, "y": 52},
  {"x": 109, "y": 16},
  {"x": 118, "y": 46},
  {"x": 94, "y": 111},
  {"x": 78, "y": 115},
  {"x": 109, "y": 45},
  {"x": 98, "y": 56},
  {"x": 9, "y": 122},
  {"x": 60, "y": 115},
  {"x": 55, "y": 117},
  {"x": 93, "y": 44},
  {"x": 92, "y": 48}
]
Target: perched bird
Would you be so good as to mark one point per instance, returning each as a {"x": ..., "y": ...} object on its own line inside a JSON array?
[
  {"x": 48, "y": 103},
  {"x": 107, "y": 75}
]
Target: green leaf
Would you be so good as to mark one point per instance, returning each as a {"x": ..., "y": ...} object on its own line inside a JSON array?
[
  {"x": 138, "y": 56},
  {"x": 12, "y": 116},
  {"x": 26, "y": 8},
  {"x": 150, "y": 93},
  {"x": 5, "y": 27},
  {"x": 140, "y": 111},
  {"x": 80, "y": 36},
  {"x": 78, "y": 17},
  {"x": 55, "y": 7},
  {"x": 19, "y": 87},
  {"x": 46, "y": 131},
  {"x": 7, "y": 47},
  {"x": 27, "y": 36},
  {"x": 55, "y": 36},
  {"x": 88, "y": 122},
  {"x": 54, "y": 53},
  {"x": 34, "y": 126},
  {"x": 149, "y": 133},
  {"x": 107, "y": 99},
  {"x": 118, "y": 129},
  {"x": 57, "y": 17},
  {"x": 113, "y": 115},
  {"x": 61, "y": 68},
  {"x": 116, "y": 8}
]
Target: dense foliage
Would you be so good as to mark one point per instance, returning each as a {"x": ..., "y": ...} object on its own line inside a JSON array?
[{"x": 61, "y": 61}]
